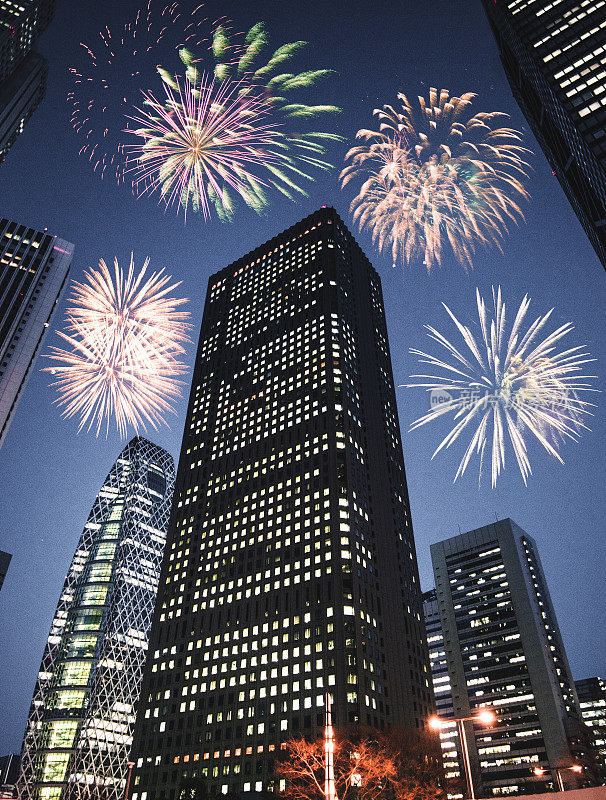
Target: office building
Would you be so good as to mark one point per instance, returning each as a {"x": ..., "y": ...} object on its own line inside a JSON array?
[
  {"x": 79, "y": 730},
  {"x": 22, "y": 71},
  {"x": 592, "y": 700},
  {"x": 449, "y": 737},
  {"x": 33, "y": 271},
  {"x": 21, "y": 23},
  {"x": 5, "y": 560},
  {"x": 554, "y": 56},
  {"x": 503, "y": 650},
  {"x": 290, "y": 567},
  {"x": 20, "y": 96}
]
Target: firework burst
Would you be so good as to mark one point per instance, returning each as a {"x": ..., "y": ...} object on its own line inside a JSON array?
[
  {"x": 501, "y": 386},
  {"x": 125, "y": 335},
  {"x": 437, "y": 175},
  {"x": 206, "y": 138},
  {"x": 246, "y": 80},
  {"x": 107, "y": 81},
  {"x": 107, "y": 95}
]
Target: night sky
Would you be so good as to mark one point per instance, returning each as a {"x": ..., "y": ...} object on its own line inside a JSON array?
[{"x": 50, "y": 475}]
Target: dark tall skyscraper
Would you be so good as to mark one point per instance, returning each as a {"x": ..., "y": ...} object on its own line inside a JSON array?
[
  {"x": 290, "y": 567},
  {"x": 554, "y": 55},
  {"x": 503, "y": 649},
  {"x": 5, "y": 560},
  {"x": 20, "y": 96},
  {"x": 21, "y": 23},
  {"x": 33, "y": 270},
  {"x": 81, "y": 720},
  {"x": 22, "y": 72},
  {"x": 9, "y": 772}
]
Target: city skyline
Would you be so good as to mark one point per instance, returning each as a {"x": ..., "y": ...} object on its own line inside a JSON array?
[{"x": 548, "y": 256}]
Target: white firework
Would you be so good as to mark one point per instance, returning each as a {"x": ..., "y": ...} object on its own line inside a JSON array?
[
  {"x": 125, "y": 335},
  {"x": 503, "y": 386}
]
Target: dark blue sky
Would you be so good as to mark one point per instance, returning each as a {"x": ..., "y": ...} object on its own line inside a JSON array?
[{"x": 50, "y": 476}]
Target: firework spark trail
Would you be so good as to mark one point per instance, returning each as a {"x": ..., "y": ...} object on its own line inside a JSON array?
[
  {"x": 203, "y": 136},
  {"x": 522, "y": 374},
  {"x": 125, "y": 335},
  {"x": 437, "y": 176},
  {"x": 245, "y": 61},
  {"x": 99, "y": 113},
  {"x": 107, "y": 83}
]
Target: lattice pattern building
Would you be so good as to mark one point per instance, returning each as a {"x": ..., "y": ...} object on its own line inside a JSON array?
[{"x": 79, "y": 730}]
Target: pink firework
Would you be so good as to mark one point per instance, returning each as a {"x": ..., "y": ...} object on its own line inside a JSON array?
[
  {"x": 110, "y": 69},
  {"x": 205, "y": 140}
]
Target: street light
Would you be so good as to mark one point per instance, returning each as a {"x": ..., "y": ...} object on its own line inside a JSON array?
[
  {"x": 329, "y": 751},
  {"x": 484, "y": 716},
  {"x": 558, "y": 770}
]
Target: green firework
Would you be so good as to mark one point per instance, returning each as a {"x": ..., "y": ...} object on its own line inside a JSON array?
[{"x": 250, "y": 60}]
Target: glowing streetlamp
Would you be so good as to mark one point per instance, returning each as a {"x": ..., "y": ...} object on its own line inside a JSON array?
[
  {"x": 329, "y": 752},
  {"x": 485, "y": 717},
  {"x": 558, "y": 770}
]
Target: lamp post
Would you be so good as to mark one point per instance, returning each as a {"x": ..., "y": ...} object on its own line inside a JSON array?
[
  {"x": 558, "y": 771},
  {"x": 329, "y": 752},
  {"x": 486, "y": 717}
]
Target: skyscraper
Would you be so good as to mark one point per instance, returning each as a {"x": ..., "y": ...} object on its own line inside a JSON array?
[
  {"x": 22, "y": 72},
  {"x": 592, "y": 700},
  {"x": 21, "y": 23},
  {"x": 504, "y": 650},
  {"x": 79, "y": 730},
  {"x": 20, "y": 96},
  {"x": 5, "y": 560},
  {"x": 290, "y": 566},
  {"x": 449, "y": 737},
  {"x": 9, "y": 772},
  {"x": 33, "y": 271},
  {"x": 553, "y": 54}
]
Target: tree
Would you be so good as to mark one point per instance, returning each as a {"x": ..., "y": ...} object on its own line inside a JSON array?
[
  {"x": 370, "y": 765},
  {"x": 418, "y": 761}
]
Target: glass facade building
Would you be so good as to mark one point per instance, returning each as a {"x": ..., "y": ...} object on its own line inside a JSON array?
[
  {"x": 290, "y": 567},
  {"x": 79, "y": 731},
  {"x": 554, "y": 56},
  {"x": 34, "y": 266},
  {"x": 503, "y": 650}
]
